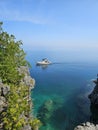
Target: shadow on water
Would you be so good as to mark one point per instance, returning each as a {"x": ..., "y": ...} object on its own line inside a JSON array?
[{"x": 94, "y": 114}]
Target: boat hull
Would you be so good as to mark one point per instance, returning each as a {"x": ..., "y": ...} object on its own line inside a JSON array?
[{"x": 43, "y": 63}]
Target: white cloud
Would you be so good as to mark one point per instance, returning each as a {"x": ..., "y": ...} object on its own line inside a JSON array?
[{"x": 8, "y": 13}]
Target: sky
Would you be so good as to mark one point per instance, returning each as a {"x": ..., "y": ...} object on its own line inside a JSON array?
[{"x": 52, "y": 24}]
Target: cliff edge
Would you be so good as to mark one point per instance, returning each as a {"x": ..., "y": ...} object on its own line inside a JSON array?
[
  {"x": 5, "y": 90},
  {"x": 93, "y": 124}
]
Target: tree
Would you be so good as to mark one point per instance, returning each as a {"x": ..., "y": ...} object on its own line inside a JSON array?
[{"x": 12, "y": 57}]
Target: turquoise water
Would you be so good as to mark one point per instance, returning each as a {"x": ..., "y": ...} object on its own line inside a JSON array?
[{"x": 61, "y": 92}]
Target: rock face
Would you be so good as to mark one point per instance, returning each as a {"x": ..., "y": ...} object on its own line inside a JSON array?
[
  {"x": 94, "y": 103},
  {"x": 87, "y": 126},
  {"x": 94, "y": 95},
  {"x": 4, "y": 89},
  {"x": 27, "y": 80},
  {"x": 94, "y": 110}
]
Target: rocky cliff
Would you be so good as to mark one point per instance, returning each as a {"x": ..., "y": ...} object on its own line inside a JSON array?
[
  {"x": 94, "y": 95},
  {"x": 93, "y": 124},
  {"x": 5, "y": 90}
]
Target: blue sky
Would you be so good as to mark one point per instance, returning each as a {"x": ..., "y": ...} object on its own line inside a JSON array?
[{"x": 52, "y": 24}]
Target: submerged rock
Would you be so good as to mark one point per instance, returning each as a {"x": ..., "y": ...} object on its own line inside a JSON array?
[
  {"x": 49, "y": 109},
  {"x": 45, "y": 111}
]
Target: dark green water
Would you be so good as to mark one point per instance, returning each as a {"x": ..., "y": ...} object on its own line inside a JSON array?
[{"x": 61, "y": 92}]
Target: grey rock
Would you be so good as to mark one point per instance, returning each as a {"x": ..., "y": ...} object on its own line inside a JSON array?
[
  {"x": 4, "y": 89},
  {"x": 3, "y": 103},
  {"x": 87, "y": 126},
  {"x": 79, "y": 128},
  {"x": 24, "y": 70},
  {"x": 27, "y": 80},
  {"x": 27, "y": 127}
]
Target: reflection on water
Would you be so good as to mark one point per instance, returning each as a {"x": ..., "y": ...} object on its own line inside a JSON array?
[{"x": 42, "y": 66}]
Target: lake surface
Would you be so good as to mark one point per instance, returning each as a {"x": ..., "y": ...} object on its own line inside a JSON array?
[{"x": 61, "y": 92}]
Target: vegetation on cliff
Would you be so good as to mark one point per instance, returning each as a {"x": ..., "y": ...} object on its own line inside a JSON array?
[{"x": 12, "y": 57}]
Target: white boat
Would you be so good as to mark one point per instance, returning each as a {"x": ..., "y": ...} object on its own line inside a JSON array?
[{"x": 44, "y": 62}]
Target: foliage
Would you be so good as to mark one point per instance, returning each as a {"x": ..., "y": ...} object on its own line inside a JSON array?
[
  {"x": 18, "y": 107},
  {"x": 35, "y": 123},
  {"x": 12, "y": 57}
]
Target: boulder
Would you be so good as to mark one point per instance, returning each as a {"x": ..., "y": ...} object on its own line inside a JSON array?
[{"x": 87, "y": 126}]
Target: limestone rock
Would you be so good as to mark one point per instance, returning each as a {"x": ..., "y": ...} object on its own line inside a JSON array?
[
  {"x": 27, "y": 127},
  {"x": 4, "y": 89},
  {"x": 2, "y": 103},
  {"x": 27, "y": 80},
  {"x": 87, "y": 126}
]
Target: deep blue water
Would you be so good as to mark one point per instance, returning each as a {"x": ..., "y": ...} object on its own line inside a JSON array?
[{"x": 61, "y": 92}]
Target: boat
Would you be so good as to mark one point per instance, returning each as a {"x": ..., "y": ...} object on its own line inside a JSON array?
[{"x": 44, "y": 61}]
